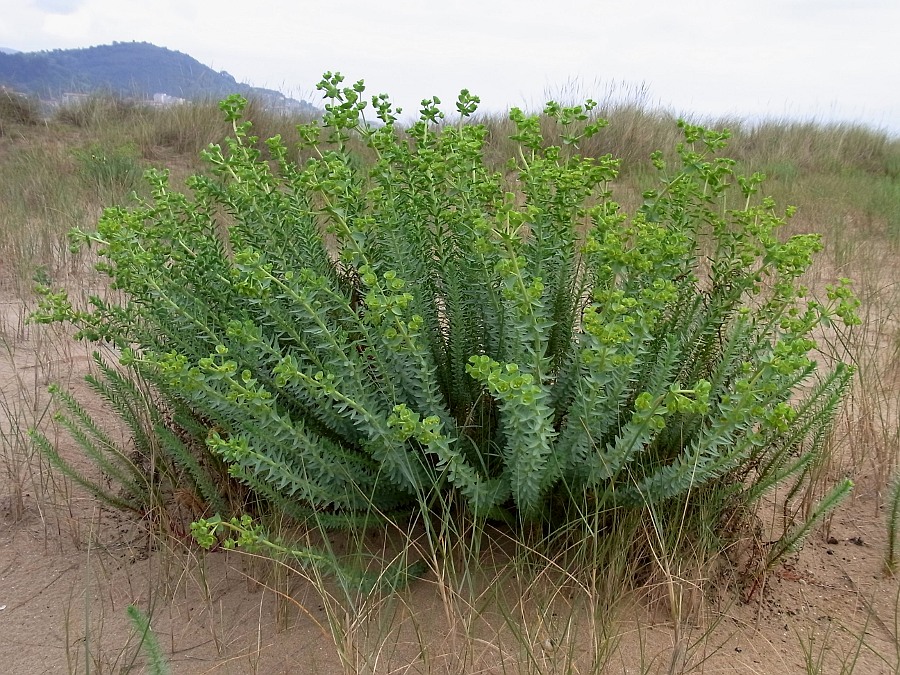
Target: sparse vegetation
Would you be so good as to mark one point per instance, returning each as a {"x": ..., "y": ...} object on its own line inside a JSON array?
[
  {"x": 16, "y": 109},
  {"x": 686, "y": 288}
]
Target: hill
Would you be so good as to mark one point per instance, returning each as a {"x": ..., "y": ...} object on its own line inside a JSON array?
[{"x": 130, "y": 69}]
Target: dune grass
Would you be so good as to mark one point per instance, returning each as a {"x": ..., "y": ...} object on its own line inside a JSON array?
[{"x": 502, "y": 607}]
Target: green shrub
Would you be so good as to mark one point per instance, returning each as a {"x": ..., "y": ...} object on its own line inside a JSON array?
[
  {"x": 161, "y": 466},
  {"x": 405, "y": 334}
]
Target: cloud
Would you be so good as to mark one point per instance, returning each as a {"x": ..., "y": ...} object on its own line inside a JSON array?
[
  {"x": 57, "y": 6},
  {"x": 70, "y": 29},
  {"x": 803, "y": 57}
]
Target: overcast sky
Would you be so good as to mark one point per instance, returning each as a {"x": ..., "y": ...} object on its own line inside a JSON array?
[{"x": 808, "y": 59}]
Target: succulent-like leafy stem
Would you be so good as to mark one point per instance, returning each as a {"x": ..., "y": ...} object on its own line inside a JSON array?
[{"x": 365, "y": 335}]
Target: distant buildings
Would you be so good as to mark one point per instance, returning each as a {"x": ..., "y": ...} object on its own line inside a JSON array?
[
  {"x": 48, "y": 105},
  {"x": 72, "y": 98},
  {"x": 166, "y": 101}
]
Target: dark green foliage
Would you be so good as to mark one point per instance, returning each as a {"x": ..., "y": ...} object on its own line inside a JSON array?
[
  {"x": 156, "y": 661},
  {"x": 793, "y": 539},
  {"x": 385, "y": 336},
  {"x": 893, "y": 517},
  {"x": 354, "y": 578},
  {"x": 162, "y": 461}
]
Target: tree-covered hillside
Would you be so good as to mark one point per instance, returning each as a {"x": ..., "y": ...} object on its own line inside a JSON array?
[{"x": 135, "y": 69}]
